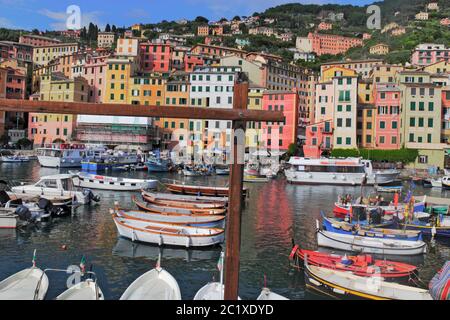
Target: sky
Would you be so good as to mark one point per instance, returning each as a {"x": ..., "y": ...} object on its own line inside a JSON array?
[{"x": 51, "y": 14}]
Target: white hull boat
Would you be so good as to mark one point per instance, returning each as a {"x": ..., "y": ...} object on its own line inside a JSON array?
[
  {"x": 54, "y": 162},
  {"x": 8, "y": 219},
  {"x": 350, "y": 171},
  {"x": 212, "y": 291},
  {"x": 209, "y": 221},
  {"x": 164, "y": 234},
  {"x": 370, "y": 245},
  {"x": 266, "y": 294},
  {"x": 92, "y": 181},
  {"x": 157, "y": 284},
  {"x": 436, "y": 183},
  {"x": 54, "y": 186},
  {"x": 14, "y": 159},
  {"x": 28, "y": 284},
  {"x": 344, "y": 284},
  {"x": 84, "y": 291}
]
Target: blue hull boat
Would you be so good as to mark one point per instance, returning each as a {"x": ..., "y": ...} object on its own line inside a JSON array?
[
  {"x": 332, "y": 225},
  {"x": 426, "y": 228}
]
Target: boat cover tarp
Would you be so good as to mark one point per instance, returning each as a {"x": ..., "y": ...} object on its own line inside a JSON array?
[{"x": 440, "y": 284}]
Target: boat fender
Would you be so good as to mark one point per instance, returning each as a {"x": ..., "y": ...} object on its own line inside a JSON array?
[{"x": 317, "y": 225}]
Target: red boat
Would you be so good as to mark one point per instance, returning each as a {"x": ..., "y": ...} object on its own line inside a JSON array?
[
  {"x": 361, "y": 265},
  {"x": 343, "y": 210}
]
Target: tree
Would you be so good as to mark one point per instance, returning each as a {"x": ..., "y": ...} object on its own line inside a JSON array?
[
  {"x": 114, "y": 28},
  {"x": 108, "y": 28},
  {"x": 24, "y": 143},
  {"x": 237, "y": 18},
  {"x": 201, "y": 19},
  {"x": 4, "y": 139},
  {"x": 223, "y": 20}
]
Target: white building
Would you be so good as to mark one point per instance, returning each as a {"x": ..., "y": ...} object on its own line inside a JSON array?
[
  {"x": 127, "y": 47},
  {"x": 105, "y": 39},
  {"x": 303, "y": 44},
  {"x": 212, "y": 87}
]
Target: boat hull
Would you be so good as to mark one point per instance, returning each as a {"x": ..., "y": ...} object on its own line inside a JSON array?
[
  {"x": 55, "y": 162},
  {"x": 319, "y": 178},
  {"x": 427, "y": 230},
  {"x": 113, "y": 184},
  {"x": 370, "y": 245}
]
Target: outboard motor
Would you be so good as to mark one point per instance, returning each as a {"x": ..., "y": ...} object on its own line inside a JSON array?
[
  {"x": 45, "y": 204},
  {"x": 91, "y": 195},
  {"x": 24, "y": 213},
  {"x": 376, "y": 216}
]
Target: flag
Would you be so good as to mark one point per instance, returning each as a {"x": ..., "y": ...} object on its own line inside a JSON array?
[
  {"x": 396, "y": 196},
  {"x": 34, "y": 258},
  {"x": 408, "y": 197},
  {"x": 413, "y": 185},
  {"x": 220, "y": 263},
  {"x": 83, "y": 264}
]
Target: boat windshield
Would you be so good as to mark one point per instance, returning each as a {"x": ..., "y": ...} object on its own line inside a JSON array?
[
  {"x": 48, "y": 183},
  {"x": 67, "y": 184},
  {"x": 49, "y": 153}
]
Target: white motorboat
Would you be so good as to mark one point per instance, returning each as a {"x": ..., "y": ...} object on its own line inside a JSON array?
[
  {"x": 436, "y": 183},
  {"x": 355, "y": 243},
  {"x": 164, "y": 234},
  {"x": 28, "y": 284},
  {"x": 85, "y": 290},
  {"x": 212, "y": 291},
  {"x": 344, "y": 284},
  {"x": 207, "y": 220},
  {"x": 93, "y": 181},
  {"x": 350, "y": 171},
  {"x": 157, "y": 284},
  {"x": 56, "y": 186},
  {"x": 266, "y": 294},
  {"x": 445, "y": 182}
]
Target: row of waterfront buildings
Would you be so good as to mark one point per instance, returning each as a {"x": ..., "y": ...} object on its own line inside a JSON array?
[{"x": 349, "y": 104}]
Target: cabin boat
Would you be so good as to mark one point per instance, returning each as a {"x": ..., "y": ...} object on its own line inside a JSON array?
[
  {"x": 66, "y": 155},
  {"x": 446, "y": 182},
  {"x": 55, "y": 186},
  {"x": 350, "y": 171},
  {"x": 8, "y": 219},
  {"x": 93, "y": 181},
  {"x": 164, "y": 234},
  {"x": 340, "y": 284}
]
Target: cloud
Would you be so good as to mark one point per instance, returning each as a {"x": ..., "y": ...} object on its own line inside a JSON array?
[
  {"x": 138, "y": 14},
  {"x": 60, "y": 18},
  {"x": 6, "y": 23}
]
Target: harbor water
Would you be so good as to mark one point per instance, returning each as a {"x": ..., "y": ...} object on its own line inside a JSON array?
[{"x": 276, "y": 213}]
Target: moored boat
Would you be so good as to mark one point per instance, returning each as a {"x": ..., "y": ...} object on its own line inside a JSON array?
[
  {"x": 360, "y": 265},
  {"x": 341, "y": 284},
  {"x": 200, "y": 190},
  {"x": 428, "y": 228},
  {"x": 183, "y": 201},
  {"x": 164, "y": 234},
  {"x": 208, "y": 221},
  {"x": 266, "y": 294},
  {"x": 85, "y": 290},
  {"x": 157, "y": 284},
  {"x": 211, "y": 291},
  {"x": 440, "y": 284},
  {"x": 14, "y": 159},
  {"x": 93, "y": 181},
  {"x": 8, "y": 219},
  {"x": 256, "y": 179},
  {"x": 354, "y": 243},
  {"x": 173, "y": 210},
  {"x": 28, "y": 284}
]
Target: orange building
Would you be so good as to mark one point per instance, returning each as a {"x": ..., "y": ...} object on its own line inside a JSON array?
[
  {"x": 332, "y": 44},
  {"x": 203, "y": 31}
]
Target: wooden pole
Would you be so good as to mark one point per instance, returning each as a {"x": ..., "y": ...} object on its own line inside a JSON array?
[{"x": 233, "y": 231}]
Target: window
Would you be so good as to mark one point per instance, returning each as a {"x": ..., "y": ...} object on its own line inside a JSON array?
[
  {"x": 349, "y": 108},
  {"x": 339, "y": 140},
  {"x": 429, "y": 138},
  {"x": 411, "y": 137},
  {"x": 421, "y": 106},
  {"x": 420, "y": 122},
  {"x": 430, "y": 122},
  {"x": 348, "y": 122},
  {"x": 368, "y": 138},
  {"x": 339, "y": 122},
  {"x": 382, "y": 125},
  {"x": 423, "y": 159},
  {"x": 348, "y": 141},
  {"x": 413, "y": 106},
  {"x": 430, "y": 106},
  {"x": 369, "y": 113},
  {"x": 339, "y": 108},
  {"x": 394, "y": 140},
  {"x": 412, "y": 122}
]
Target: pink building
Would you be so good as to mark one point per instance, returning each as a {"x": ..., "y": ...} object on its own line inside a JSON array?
[
  {"x": 156, "y": 57},
  {"x": 387, "y": 117},
  {"x": 278, "y": 136},
  {"x": 319, "y": 139},
  {"x": 14, "y": 50},
  {"x": 429, "y": 53},
  {"x": 332, "y": 44},
  {"x": 94, "y": 71},
  {"x": 15, "y": 84},
  {"x": 191, "y": 61},
  {"x": 446, "y": 114}
]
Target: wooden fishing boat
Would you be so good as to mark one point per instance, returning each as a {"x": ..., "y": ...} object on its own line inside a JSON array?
[
  {"x": 266, "y": 294},
  {"x": 336, "y": 226},
  {"x": 93, "y": 181},
  {"x": 427, "y": 228},
  {"x": 187, "y": 202},
  {"x": 360, "y": 265},
  {"x": 207, "y": 220},
  {"x": 212, "y": 291},
  {"x": 342, "y": 210},
  {"x": 341, "y": 284},
  {"x": 200, "y": 190},
  {"x": 168, "y": 210},
  {"x": 157, "y": 284},
  {"x": 28, "y": 284},
  {"x": 85, "y": 290},
  {"x": 164, "y": 234},
  {"x": 354, "y": 243},
  {"x": 256, "y": 179}
]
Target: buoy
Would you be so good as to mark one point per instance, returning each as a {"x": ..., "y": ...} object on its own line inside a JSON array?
[{"x": 64, "y": 247}]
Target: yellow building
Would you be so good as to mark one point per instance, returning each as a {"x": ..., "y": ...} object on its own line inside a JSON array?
[
  {"x": 330, "y": 73},
  {"x": 118, "y": 75},
  {"x": 385, "y": 73},
  {"x": 43, "y": 55},
  {"x": 366, "y": 115},
  {"x": 439, "y": 67},
  {"x": 253, "y": 134},
  {"x": 47, "y": 128}
]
